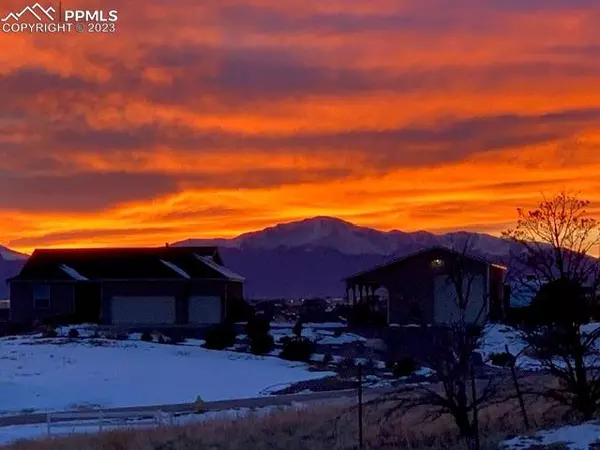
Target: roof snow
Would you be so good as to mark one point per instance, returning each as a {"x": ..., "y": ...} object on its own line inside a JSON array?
[
  {"x": 176, "y": 268},
  {"x": 222, "y": 270},
  {"x": 72, "y": 273}
]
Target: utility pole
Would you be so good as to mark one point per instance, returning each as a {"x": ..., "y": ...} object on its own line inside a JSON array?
[
  {"x": 360, "y": 409},
  {"x": 513, "y": 372}
]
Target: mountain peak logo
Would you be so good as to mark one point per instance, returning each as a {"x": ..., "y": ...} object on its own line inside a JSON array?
[{"x": 37, "y": 11}]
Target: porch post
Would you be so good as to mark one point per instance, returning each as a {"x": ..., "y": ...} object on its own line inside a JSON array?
[{"x": 225, "y": 302}]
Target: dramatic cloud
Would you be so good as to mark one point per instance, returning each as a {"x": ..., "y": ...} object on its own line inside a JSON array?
[
  {"x": 212, "y": 118},
  {"x": 84, "y": 191}
]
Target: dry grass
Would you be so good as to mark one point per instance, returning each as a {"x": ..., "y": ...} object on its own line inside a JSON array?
[{"x": 322, "y": 428}]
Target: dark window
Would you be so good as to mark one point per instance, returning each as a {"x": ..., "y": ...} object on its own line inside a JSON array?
[
  {"x": 41, "y": 296},
  {"x": 4, "y": 310}
]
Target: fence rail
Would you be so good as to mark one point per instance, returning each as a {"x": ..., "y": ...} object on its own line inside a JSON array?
[{"x": 102, "y": 419}]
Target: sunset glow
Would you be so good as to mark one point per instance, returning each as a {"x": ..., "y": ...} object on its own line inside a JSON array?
[{"x": 217, "y": 117}]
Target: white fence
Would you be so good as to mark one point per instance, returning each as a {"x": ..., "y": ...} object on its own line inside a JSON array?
[{"x": 102, "y": 420}]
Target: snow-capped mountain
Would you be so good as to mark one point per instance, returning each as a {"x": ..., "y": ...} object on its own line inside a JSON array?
[
  {"x": 11, "y": 263},
  {"x": 7, "y": 254},
  {"x": 324, "y": 232},
  {"x": 350, "y": 239},
  {"x": 309, "y": 257}
]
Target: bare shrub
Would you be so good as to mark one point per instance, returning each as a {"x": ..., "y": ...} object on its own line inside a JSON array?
[
  {"x": 49, "y": 332},
  {"x": 404, "y": 367},
  {"x": 147, "y": 337},
  {"x": 73, "y": 333}
]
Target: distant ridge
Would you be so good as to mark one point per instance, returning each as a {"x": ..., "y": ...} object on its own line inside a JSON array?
[
  {"x": 309, "y": 257},
  {"x": 7, "y": 254},
  {"x": 10, "y": 265}
]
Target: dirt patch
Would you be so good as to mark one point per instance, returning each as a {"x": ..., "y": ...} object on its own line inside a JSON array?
[{"x": 324, "y": 384}]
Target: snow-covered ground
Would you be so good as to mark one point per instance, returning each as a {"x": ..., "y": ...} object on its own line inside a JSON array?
[
  {"x": 329, "y": 325},
  {"x": 575, "y": 437},
  {"x": 55, "y": 374},
  {"x": 496, "y": 336},
  {"x": 336, "y": 359},
  {"x": 494, "y": 339},
  {"x": 40, "y": 431},
  {"x": 319, "y": 333},
  {"x": 86, "y": 330},
  {"x": 318, "y": 336}
]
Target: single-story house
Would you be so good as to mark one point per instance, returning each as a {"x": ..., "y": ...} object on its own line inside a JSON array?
[
  {"x": 419, "y": 287},
  {"x": 125, "y": 286}
]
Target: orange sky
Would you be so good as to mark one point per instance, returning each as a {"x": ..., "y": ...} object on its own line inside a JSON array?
[{"x": 215, "y": 117}]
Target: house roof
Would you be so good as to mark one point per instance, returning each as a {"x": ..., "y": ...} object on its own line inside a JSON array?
[
  {"x": 421, "y": 252},
  {"x": 97, "y": 264},
  {"x": 219, "y": 268}
]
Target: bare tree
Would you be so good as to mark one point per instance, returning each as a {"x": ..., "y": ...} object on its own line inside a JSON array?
[
  {"x": 455, "y": 344},
  {"x": 557, "y": 239},
  {"x": 452, "y": 350}
]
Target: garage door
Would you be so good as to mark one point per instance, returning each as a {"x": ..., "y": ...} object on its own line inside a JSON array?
[
  {"x": 204, "y": 310},
  {"x": 446, "y": 308},
  {"x": 143, "y": 310}
]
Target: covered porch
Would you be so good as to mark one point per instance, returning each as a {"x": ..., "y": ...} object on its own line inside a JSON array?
[{"x": 369, "y": 296}]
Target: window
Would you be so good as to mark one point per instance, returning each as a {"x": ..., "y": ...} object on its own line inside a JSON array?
[{"x": 41, "y": 296}]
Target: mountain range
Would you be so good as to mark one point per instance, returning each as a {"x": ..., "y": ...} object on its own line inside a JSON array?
[{"x": 309, "y": 258}]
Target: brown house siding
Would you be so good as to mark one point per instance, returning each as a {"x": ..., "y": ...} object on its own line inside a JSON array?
[
  {"x": 411, "y": 281},
  {"x": 22, "y": 305},
  {"x": 62, "y": 301},
  {"x": 414, "y": 280},
  {"x": 20, "y": 299},
  {"x": 409, "y": 289}
]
